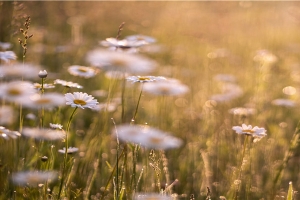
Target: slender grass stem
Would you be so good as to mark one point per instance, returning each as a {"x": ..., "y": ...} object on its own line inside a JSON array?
[{"x": 66, "y": 154}]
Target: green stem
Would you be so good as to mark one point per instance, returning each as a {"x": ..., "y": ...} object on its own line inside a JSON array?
[
  {"x": 137, "y": 105},
  {"x": 66, "y": 153}
]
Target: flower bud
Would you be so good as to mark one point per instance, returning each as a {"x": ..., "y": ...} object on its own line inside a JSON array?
[{"x": 43, "y": 74}]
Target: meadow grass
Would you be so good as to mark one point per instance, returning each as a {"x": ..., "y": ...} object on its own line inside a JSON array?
[{"x": 175, "y": 132}]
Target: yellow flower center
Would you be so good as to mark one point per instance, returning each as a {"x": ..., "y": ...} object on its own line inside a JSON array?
[
  {"x": 156, "y": 140},
  {"x": 82, "y": 69},
  {"x": 79, "y": 102},
  {"x": 43, "y": 101},
  {"x": 248, "y": 131},
  {"x": 14, "y": 92},
  {"x": 144, "y": 78}
]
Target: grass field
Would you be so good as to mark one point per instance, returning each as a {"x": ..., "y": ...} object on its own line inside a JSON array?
[{"x": 161, "y": 117}]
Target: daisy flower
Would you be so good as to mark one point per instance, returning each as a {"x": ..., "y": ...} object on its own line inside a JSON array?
[
  {"x": 146, "y": 136},
  {"x": 49, "y": 100},
  {"x": 7, "y": 134},
  {"x": 242, "y": 111},
  {"x": 105, "y": 107},
  {"x": 167, "y": 88},
  {"x": 38, "y": 86},
  {"x": 143, "y": 79},
  {"x": 70, "y": 150},
  {"x": 82, "y": 71},
  {"x": 6, "y": 56},
  {"x": 145, "y": 39},
  {"x": 81, "y": 100},
  {"x": 68, "y": 84},
  {"x": 33, "y": 178},
  {"x": 123, "y": 44},
  {"x": 16, "y": 90},
  {"x": 248, "y": 130},
  {"x": 43, "y": 134},
  {"x": 284, "y": 102},
  {"x": 56, "y": 126},
  {"x": 19, "y": 70},
  {"x": 6, "y": 115},
  {"x": 123, "y": 62}
]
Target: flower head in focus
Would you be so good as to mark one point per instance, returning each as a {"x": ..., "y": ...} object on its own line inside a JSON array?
[
  {"x": 80, "y": 100},
  {"x": 255, "y": 132}
]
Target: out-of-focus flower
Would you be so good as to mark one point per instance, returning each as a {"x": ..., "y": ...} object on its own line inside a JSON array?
[
  {"x": 151, "y": 196},
  {"x": 265, "y": 56},
  {"x": 43, "y": 134},
  {"x": 33, "y": 178},
  {"x": 123, "y": 44},
  {"x": 16, "y": 91},
  {"x": 56, "y": 126},
  {"x": 82, "y": 71},
  {"x": 146, "y": 136},
  {"x": 70, "y": 150},
  {"x": 7, "y": 56},
  {"x": 5, "y": 45},
  {"x": 19, "y": 70},
  {"x": 8, "y": 134},
  {"x": 289, "y": 90},
  {"x": 123, "y": 62},
  {"x": 6, "y": 115},
  {"x": 230, "y": 91},
  {"x": 45, "y": 86},
  {"x": 80, "y": 100},
  {"x": 68, "y": 84},
  {"x": 101, "y": 107},
  {"x": 141, "y": 38},
  {"x": 242, "y": 111},
  {"x": 48, "y": 100},
  {"x": 143, "y": 79},
  {"x": 166, "y": 88},
  {"x": 284, "y": 102},
  {"x": 255, "y": 132}
]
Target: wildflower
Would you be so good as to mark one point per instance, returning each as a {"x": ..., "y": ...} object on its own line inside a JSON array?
[
  {"x": 123, "y": 44},
  {"x": 16, "y": 90},
  {"x": 255, "y": 132},
  {"x": 7, "y": 134},
  {"x": 43, "y": 74},
  {"x": 48, "y": 100},
  {"x": 168, "y": 88},
  {"x": 284, "y": 102},
  {"x": 81, "y": 100},
  {"x": 82, "y": 71},
  {"x": 5, "y": 45},
  {"x": 33, "y": 178},
  {"x": 143, "y": 79},
  {"x": 242, "y": 111},
  {"x": 146, "y": 136},
  {"x": 265, "y": 56},
  {"x": 151, "y": 196},
  {"x": 141, "y": 38},
  {"x": 38, "y": 86},
  {"x": 43, "y": 134},
  {"x": 6, "y": 115},
  {"x": 70, "y": 150},
  {"x": 19, "y": 70},
  {"x": 7, "y": 56},
  {"x": 56, "y": 126},
  {"x": 105, "y": 107},
  {"x": 68, "y": 84},
  {"x": 123, "y": 62}
]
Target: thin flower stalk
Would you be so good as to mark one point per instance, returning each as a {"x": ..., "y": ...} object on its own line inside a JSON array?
[{"x": 66, "y": 154}]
